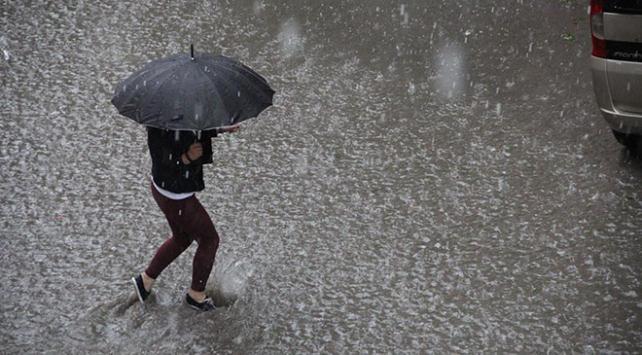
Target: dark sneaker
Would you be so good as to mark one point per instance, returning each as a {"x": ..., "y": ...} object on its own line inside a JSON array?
[
  {"x": 141, "y": 292},
  {"x": 206, "y": 305}
]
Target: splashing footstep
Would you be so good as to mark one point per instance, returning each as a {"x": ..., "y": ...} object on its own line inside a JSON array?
[{"x": 229, "y": 282}]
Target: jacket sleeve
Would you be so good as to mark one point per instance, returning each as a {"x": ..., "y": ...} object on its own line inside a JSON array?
[
  {"x": 164, "y": 149},
  {"x": 206, "y": 141}
]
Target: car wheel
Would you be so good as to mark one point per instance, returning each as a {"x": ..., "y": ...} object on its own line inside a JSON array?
[{"x": 632, "y": 141}]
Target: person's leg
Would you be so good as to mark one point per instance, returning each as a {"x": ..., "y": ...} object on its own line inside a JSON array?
[
  {"x": 165, "y": 255},
  {"x": 172, "y": 247},
  {"x": 199, "y": 225}
]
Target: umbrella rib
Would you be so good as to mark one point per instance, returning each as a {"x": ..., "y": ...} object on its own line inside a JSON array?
[
  {"x": 260, "y": 88},
  {"x": 187, "y": 83},
  {"x": 255, "y": 93},
  {"x": 253, "y": 73},
  {"x": 217, "y": 94},
  {"x": 211, "y": 98},
  {"x": 132, "y": 80},
  {"x": 159, "y": 85},
  {"x": 247, "y": 80},
  {"x": 149, "y": 66}
]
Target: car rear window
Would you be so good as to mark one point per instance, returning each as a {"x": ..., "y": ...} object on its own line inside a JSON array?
[{"x": 623, "y": 6}]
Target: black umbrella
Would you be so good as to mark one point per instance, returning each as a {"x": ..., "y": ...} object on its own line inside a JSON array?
[{"x": 192, "y": 92}]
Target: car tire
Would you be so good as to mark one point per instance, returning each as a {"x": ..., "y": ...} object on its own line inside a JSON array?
[{"x": 632, "y": 141}]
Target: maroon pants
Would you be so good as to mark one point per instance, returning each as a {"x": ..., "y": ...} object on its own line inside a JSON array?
[{"x": 189, "y": 221}]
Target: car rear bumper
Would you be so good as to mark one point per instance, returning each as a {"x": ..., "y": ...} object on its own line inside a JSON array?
[
  {"x": 623, "y": 122},
  {"x": 617, "y": 115}
]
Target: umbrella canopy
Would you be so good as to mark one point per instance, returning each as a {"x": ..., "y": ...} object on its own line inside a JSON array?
[{"x": 192, "y": 92}]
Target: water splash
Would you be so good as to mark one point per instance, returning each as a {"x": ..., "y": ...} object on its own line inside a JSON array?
[
  {"x": 290, "y": 38},
  {"x": 451, "y": 70},
  {"x": 230, "y": 281}
]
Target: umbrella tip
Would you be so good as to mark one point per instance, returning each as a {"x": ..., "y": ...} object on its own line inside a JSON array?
[{"x": 191, "y": 50}]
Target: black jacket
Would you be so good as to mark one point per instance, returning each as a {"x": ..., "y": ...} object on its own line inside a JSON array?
[{"x": 168, "y": 170}]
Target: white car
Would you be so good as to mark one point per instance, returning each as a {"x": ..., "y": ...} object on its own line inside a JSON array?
[{"x": 616, "y": 65}]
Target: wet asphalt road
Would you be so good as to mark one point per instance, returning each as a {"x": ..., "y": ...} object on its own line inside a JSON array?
[{"x": 434, "y": 177}]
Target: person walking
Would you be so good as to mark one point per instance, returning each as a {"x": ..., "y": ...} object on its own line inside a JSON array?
[
  {"x": 181, "y": 99},
  {"x": 177, "y": 174}
]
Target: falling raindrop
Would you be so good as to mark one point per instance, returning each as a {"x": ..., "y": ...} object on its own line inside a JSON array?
[
  {"x": 163, "y": 184},
  {"x": 198, "y": 110},
  {"x": 187, "y": 174},
  {"x": 180, "y": 212},
  {"x": 177, "y": 136},
  {"x": 198, "y": 134},
  {"x": 4, "y": 45},
  {"x": 403, "y": 13},
  {"x": 170, "y": 156},
  {"x": 238, "y": 93},
  {"x": 451, "y": 70},
  {"x": 291, "y": 39},
  {"x": 411, "y": 88},
  {"x": 466, "y": 34}
]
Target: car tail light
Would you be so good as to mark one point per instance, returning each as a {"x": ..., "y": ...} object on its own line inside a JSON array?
[{"x": 597, "y": 28}]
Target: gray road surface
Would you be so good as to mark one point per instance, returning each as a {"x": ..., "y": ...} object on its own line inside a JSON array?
[{"x": 434, "y": 177}]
